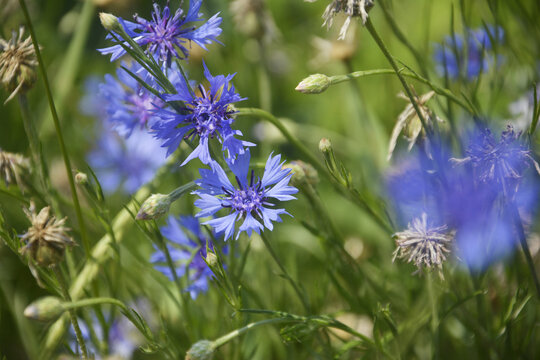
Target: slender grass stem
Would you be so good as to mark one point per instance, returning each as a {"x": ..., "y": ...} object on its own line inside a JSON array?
[
  {"x": 297, "y": 290},
  {"x": 72, "y": 315},
  {"x": 392, "y": 62},
  {"x": 525, "y": 247},
  {"x": 65, "y": 155}
]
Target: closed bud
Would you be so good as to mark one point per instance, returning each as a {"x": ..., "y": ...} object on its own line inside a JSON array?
[
  {"x": 154, "y": 207},
  {"x": 81, "y": 178},
  {"x": 302, "y": 173},
  {"x": 211, "y": 259},
  {"x": 314, "y": 84},
  {"x": 45, "y": 309},
  {"x": 325, "y": 145},
  {"x": 201, "y": 350},
  {"x": 110, "y": 22}
]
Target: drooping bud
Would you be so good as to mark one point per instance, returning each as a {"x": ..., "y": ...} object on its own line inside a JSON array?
[
  {"x": 302, "y": 173},
  {"x": 314, "y": 84},
  {"x": 201, "y": 350},
  {"x": 47, "y": 308},
  {"x": 154, "y": 207},
  {"x": 110, "y": 22}
]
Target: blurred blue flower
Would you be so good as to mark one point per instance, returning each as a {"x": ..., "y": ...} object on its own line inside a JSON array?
[
  {"x": 205, "y": 116},
  {"x": 475, "y": 196},
  {"x": 453, "y": 59},
  {"x": 125, "y": 163},
  {"x": 250, "y": 201},
  {"x": 164, "y": 34},
  {"x": 187, "y": 247}
]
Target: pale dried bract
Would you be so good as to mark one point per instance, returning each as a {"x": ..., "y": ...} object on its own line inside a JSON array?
[{"x": 12, "y": 167}]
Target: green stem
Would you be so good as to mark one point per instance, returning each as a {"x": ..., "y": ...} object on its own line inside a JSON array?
[
  {"x": 233, "y": 334},
  {"x": 72, "y": 315},
  {"x": 65, "y": 154},
  {"x": 525, "y": 247},
  {"x": 434, "y": 313},
  {"x": 438, "y": 90},
  {"x": 181, "y": 190},
  {"x": 301, "y": 295},
  {"x": 392, "y": 62}
]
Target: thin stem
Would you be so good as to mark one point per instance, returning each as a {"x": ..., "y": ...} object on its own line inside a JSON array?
[
  {"x": 438, "y": 90},
  {"x": 54, "y": 114},
  {"x": 301, "y": 296},
  {"x": 392, "y": 62},
  {"x": 525, "y": 247},
  {"x": 233, "y": 334},
  {"x": 72, "y": 315},
  {"x": 434, "y": 313}
]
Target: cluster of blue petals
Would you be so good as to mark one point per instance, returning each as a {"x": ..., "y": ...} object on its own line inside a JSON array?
[
  {"x": 477, "y": 196},
  {"x": 204, "y": 116},
  {"x": 249, "y": 201},
  {"x": 164, "y": 34},
  {"x": 467, "y": 56},
  {"x": 187, "y": 248}
]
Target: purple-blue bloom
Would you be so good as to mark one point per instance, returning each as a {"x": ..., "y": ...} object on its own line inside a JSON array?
[
  {"x": 205, "y": 116},
  {"x": 127, "y": 104},
  {"x": 250, "y": 200},
  {"x": 454, "y": 60},
  {"x": 166, "y": 33},
  {"x": 187, "y": 247},
  {"x": 125, "y": 163}
]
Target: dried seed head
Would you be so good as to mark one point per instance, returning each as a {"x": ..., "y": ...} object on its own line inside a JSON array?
[
  {"x": 423, "y": 244},
  {"x": 46, "y": 239},
  {"x": 12, "y": 167},
  {"x": 351, "y": 8},
  {"x": 252, "y": 18},
  {"x": 17, "y": 63}
]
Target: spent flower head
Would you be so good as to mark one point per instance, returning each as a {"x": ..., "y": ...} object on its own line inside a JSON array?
[
  {"x": 46, "y": 239},
  {"x": 206, "y": 115},
  {"x": 12, "y": 167},
  {"x": 423, "y": 244},
  {"x": 251, "y": 200},
  {"x": 17, "y": 63},
  {"x": 166, "y": 33},
  {"x": 351, "y": 8}
]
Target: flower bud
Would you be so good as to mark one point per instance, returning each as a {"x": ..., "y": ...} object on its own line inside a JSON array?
[
  {"x": 47, "y": 308},
  {"x": 154, "y": 207},
  {"x": 110, "y": 22},
  {"x": 302, "y": 173},
  {"x": 201, "y": 350},
  {"x": 81, "y": 178},
  {"x": 211, "y": 259},
  {"x": 314, "y": 84},
  {"x": 325, "y": 145}
]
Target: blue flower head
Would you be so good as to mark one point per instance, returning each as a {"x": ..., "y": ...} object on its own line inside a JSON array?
[
  {"x": 187, "y": 247},
  {"x": 454, "y": 58},
  {"x": 127, "y": 104},
  {"x": 250, "y": 201},
  {"x": 125, "y": 163},
  {"x": 166, "y": 34},
  {"x": 205, "y": 116}
]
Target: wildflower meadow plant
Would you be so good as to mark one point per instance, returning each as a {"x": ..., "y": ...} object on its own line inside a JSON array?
[{"x": 411, "y": 228}]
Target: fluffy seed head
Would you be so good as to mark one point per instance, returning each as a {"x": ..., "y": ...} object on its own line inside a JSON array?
[
  {"x": 423, "y": 244},
  {"x": 17, "y": 63},
  {"x": 46, "y": 239}
]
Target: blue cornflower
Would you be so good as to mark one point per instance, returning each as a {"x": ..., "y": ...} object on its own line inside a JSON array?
[
  {"x": 165, "y": 34},
  {"x": 450, "y": 56},
  {"x": 250, "y": 200},
  {"x": 126, "y": 102},
  {"x": 126, "y": 163},
  {"x": 205, "y": 116},
  {"x": 499, "y": 162},
  {"x": 187, "y": 247}
]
